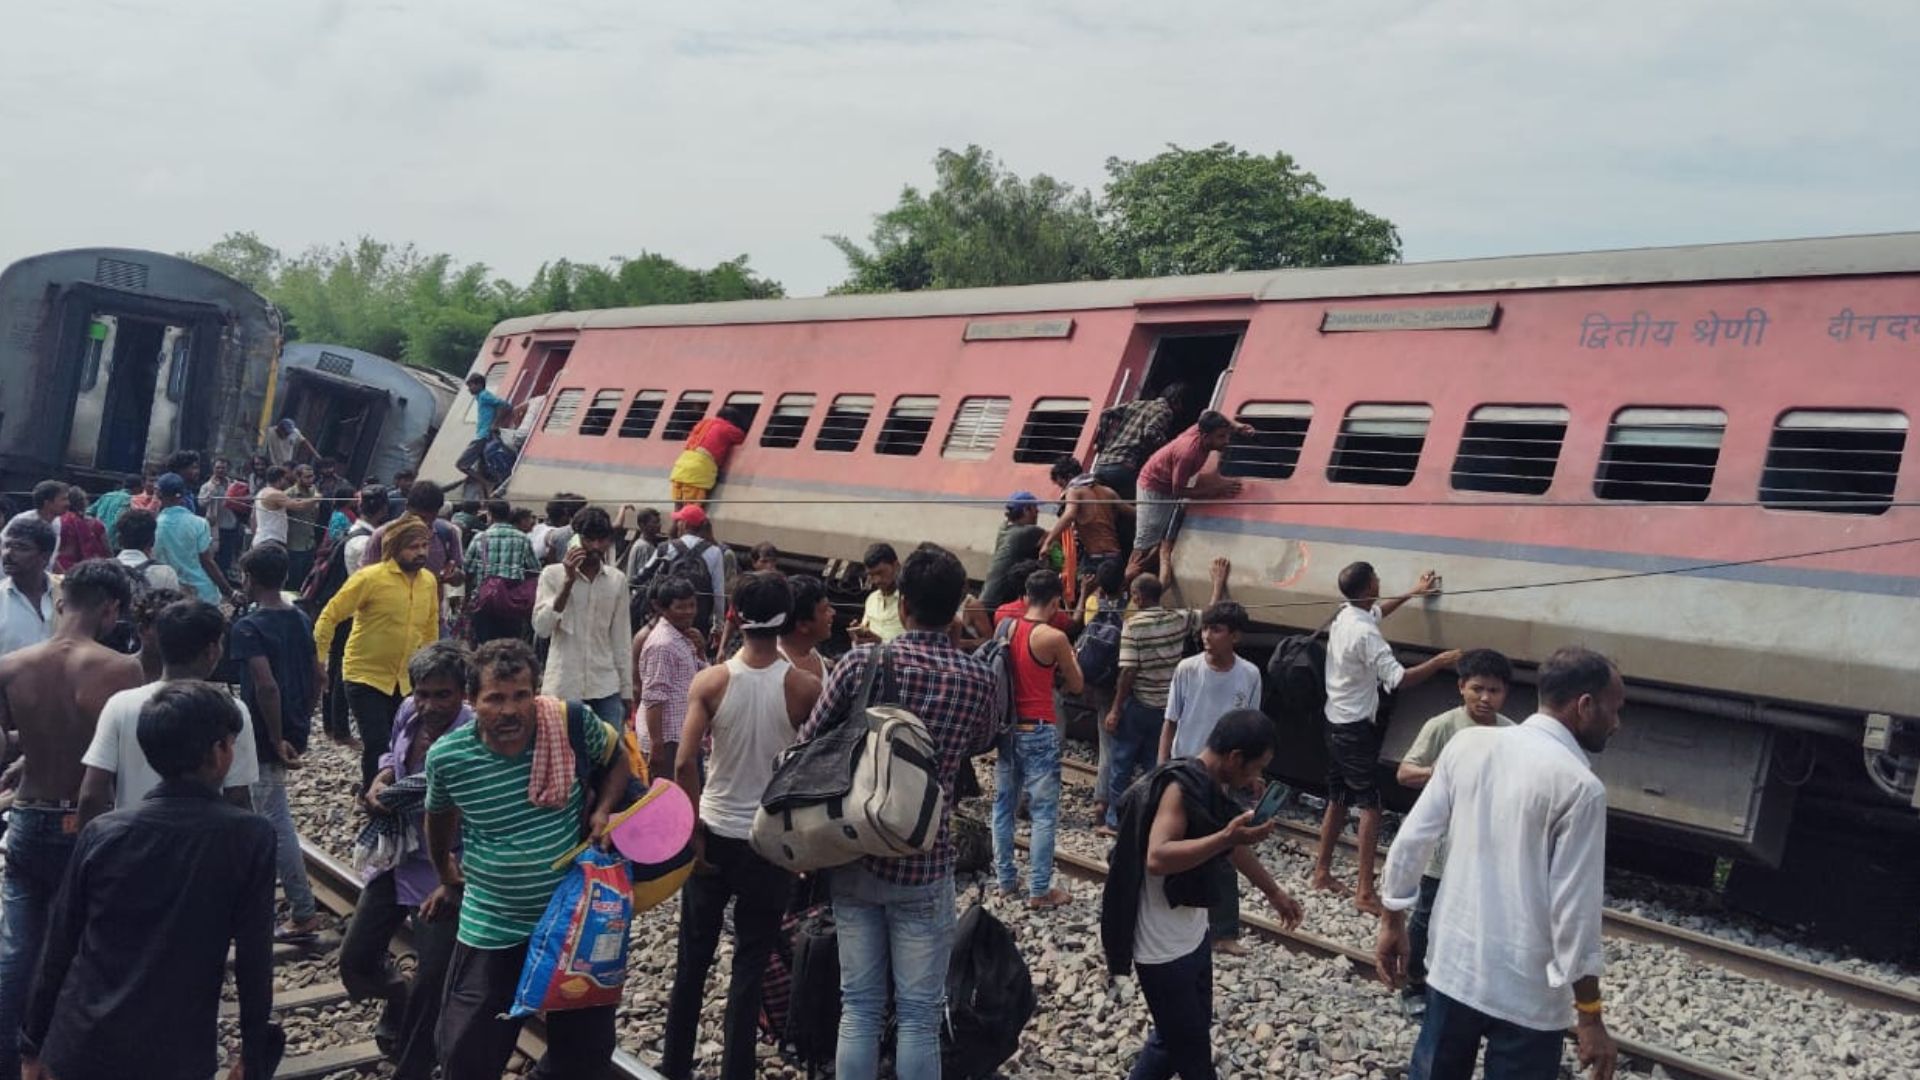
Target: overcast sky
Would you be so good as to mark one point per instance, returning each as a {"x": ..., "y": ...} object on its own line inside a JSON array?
[{"x": 511, "y": 132}]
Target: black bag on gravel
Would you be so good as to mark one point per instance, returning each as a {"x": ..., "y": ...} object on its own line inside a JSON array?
[
  {"x": 972, "y": 844},
  {"x": 989, "y": 998},
  {"x": 813, "y": 1004}
]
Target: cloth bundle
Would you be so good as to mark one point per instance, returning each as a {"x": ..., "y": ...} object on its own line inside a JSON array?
[{"x": 387, "y": 839}]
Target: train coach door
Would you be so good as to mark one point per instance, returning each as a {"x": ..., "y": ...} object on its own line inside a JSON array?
[{"x": 1199, "y": 358}]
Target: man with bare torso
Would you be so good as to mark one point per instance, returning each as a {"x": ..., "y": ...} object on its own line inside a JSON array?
[{"x": 50, "y": 698}]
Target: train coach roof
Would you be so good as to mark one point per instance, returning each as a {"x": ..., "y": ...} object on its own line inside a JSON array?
[{"x": 1880, "y": 253}]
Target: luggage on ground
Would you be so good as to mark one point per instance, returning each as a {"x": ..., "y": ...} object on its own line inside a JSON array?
[{"x": 989, "y": 998}]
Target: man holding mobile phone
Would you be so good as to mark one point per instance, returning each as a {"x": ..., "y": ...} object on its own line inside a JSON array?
[{"x": 1204, "y": 689}]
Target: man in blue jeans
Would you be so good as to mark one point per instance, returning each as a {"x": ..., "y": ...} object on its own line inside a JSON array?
[
  {"x": 51, "y": 695},
  {"x": 1031, "y": 761},
  {"x": 1151, "y": 644},
  {"x": 895, "y": 916}
]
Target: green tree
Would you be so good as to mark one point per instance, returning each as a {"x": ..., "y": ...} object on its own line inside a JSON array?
[
  {"x": 395, "y": 301},
  {"x": 979, "y": 225},
  {"x": 1221, "y": 208}
]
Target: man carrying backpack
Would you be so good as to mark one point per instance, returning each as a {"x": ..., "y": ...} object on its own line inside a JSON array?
[
  {"x": 694, "y": 554},
  {"x": 895, "y": 916},
  {"x": 1175, "y": 828},
  {"x": 1098, "y": 654}
]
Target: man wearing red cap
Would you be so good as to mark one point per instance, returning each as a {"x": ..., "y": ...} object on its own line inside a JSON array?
[{"x": 693, "y": 537}]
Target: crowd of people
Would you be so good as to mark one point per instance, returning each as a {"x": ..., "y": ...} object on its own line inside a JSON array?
[{"x": 504, "y": 674}]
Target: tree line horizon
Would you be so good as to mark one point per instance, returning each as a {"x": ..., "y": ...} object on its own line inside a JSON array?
[{"x": 1199, "y": 211}]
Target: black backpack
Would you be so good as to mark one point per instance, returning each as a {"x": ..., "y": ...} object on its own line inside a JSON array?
[
  {"x": 1297, "y": 677},
  {"x": 989, "y": 998},
  {"x": 675, "y": 559},
  {"x": 1098, "y": 650},
  {"x": 123, "y": 635},
  {"x": 330, "y": 571},
  {"x": 813, "y": 1009}
]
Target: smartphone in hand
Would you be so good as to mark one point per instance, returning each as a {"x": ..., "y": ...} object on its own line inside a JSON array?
[{"x": 1270, "y": 801}]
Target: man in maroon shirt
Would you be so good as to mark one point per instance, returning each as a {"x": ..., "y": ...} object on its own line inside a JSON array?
[{"x": 1175, "y": 473}]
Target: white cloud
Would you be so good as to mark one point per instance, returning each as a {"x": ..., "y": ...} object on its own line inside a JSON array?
[{"x": 511, "y": 133}]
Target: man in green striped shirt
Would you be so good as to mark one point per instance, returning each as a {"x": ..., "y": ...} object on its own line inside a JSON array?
[
  {"x": 478, "y": 782},
  {"x": 1152, "y": 641}
]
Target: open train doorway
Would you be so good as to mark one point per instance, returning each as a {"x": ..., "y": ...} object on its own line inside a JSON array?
[
  {"x": 1198, "y": 359},
  {"x": 132, "y": 395}
]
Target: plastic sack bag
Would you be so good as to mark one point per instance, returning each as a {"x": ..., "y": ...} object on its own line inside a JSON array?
[{"x": 577, "y": 958}]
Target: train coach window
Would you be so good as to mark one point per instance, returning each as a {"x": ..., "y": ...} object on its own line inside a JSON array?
[
  {"x": 1273, "y": 450},
  {"x": 845, "y": 422},
  {"x": 789, "y": 419},
  {"x": 1661, "y": 455},
  {"x": 1510, "y": 448},
  {"x": 748, "y": 403},
  {"x": 600, "y": 412},
  {"x": 1833, "y": 462},
  {"x": 907, "y": 425},
  {"x": 1052, "y": 431},
  {"x": 976, "y": 428},
  {"x": 688, "y": 411},
  {"x": 1379, "y": 444},
  {"x": 643, "y": 414},
  {"x": 561, "y": 413}
]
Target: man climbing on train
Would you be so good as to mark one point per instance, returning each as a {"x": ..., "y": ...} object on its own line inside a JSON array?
[
  {"x": 487, "y": 407},
  {"x": 1176, "y": 473},
  {"x": 696, "y": 472}
]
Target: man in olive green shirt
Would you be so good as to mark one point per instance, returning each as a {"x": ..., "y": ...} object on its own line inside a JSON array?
[{"x": 1484, "y": 678}]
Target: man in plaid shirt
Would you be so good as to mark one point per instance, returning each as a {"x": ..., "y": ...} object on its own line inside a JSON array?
[
  {"x": 1138, "y": 429},
  {"x": 503, "y": 552},
  {"x": 895, "y": 916}
]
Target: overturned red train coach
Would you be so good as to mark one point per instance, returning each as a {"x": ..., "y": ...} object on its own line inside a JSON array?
[{"x": 1695, "y": 459}]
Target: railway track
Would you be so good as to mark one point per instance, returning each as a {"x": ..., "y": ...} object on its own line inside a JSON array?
[
  {"x": 337, "y": 888},
  {"x": 1677, "y": 1065},
  {"x": 1859, "y": 990}
]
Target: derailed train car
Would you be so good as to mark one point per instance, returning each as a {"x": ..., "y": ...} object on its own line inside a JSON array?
[
  {"x": 113, "y": 358},
  {"x": 1696, "y": 459},
  {"x": 373, "y": 415}
]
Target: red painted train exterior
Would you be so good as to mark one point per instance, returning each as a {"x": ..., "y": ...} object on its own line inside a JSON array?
[{"x": 1635, "y": 352}]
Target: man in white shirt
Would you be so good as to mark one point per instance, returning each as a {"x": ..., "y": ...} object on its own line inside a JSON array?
[
  {"x": 1359, "y": 664},
  {"x": 26, "y": 590},
  {"x": 135, "y": 530},
  {"x": 1516, "y": 929},
  {"x": 192, "y": 640},
  {"x": 49, "y": 502},
  {"x": 582, "y": 605}
]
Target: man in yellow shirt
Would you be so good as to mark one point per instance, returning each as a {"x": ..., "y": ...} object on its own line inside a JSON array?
[{"x": 395, "y": 608}]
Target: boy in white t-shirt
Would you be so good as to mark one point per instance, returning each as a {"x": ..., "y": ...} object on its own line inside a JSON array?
[
  {"x": 1204, "y": 689},
  {"x": 192, "y": 640}
]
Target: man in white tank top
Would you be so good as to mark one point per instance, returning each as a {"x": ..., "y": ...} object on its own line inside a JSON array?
[
  {"x": 270, "y": 525},
  {"x": 811, "y": 624},
  {"x": 752, "y": 706}
]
